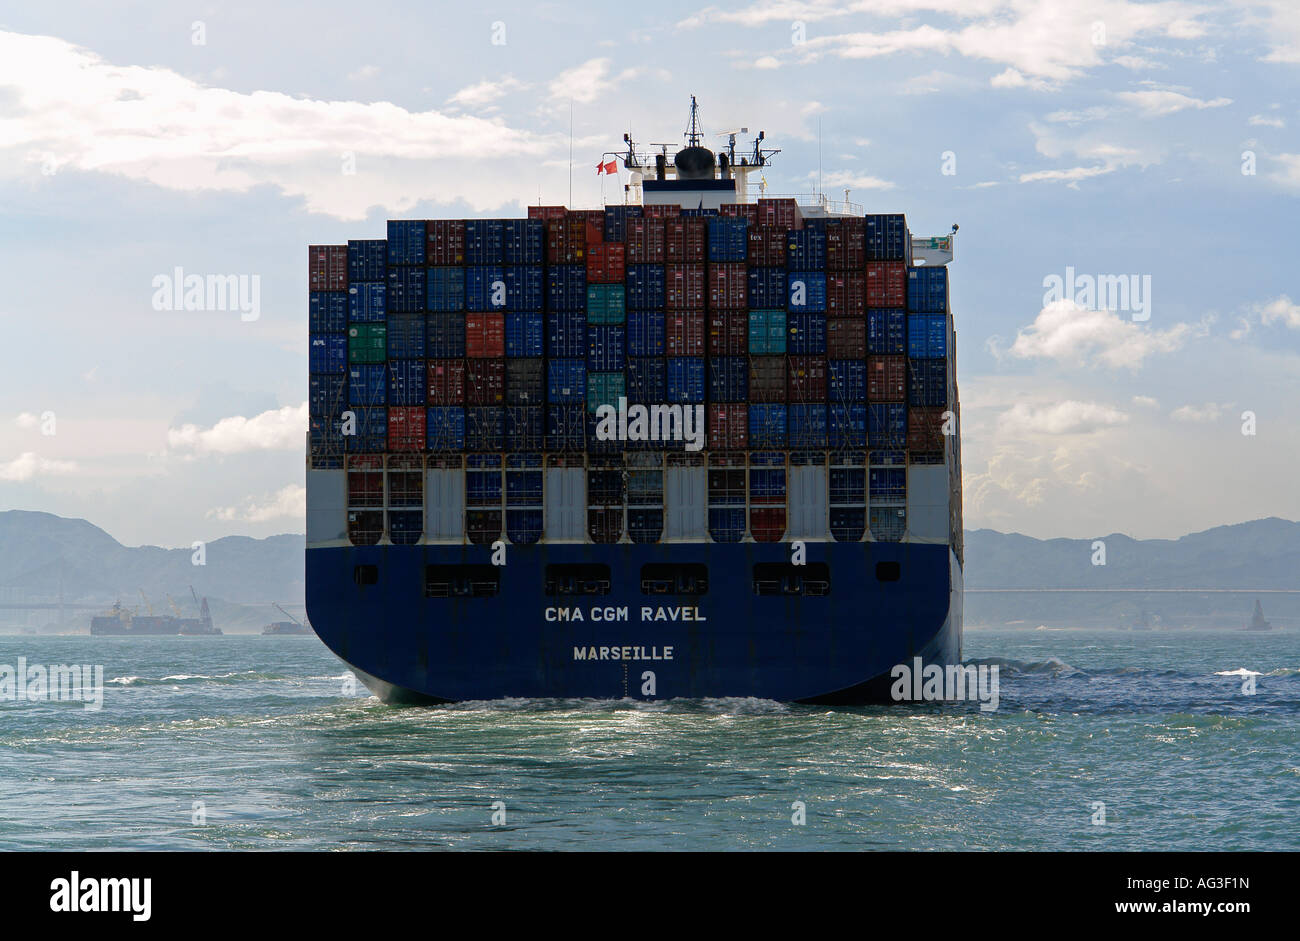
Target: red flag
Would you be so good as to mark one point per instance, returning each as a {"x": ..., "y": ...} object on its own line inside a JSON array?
[{"x": 610, "y": 167}]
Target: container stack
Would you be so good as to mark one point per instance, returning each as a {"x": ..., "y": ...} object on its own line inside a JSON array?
[{"x": 487, "y": 346}]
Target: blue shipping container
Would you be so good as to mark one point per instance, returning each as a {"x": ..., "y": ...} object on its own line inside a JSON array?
[
  {"x": 406, "y": 336},
  {"x": 645, "y": 333},
  {"x": 728, "y": 379},
  {"x": 807, "y": 425},
  {"x": 445, "y": 428},
  {"x": 645, "y": 287},
  {"x": 927, "y": 382},
  {"x": 807, "y": 334},
  {"x": 728, "y": 239},
  {"x": 566, "y": 427},
  {"x": 485, "y": 428},
  {"x": 848, "y": 425},
  {"x": 606, "y": 348},
  {"x": 767, "y": 287},
  {"x": 485, "y": 288},
  {"x": 927, "y": 336},
  {"x": 444, "y": 336},
  {"x": 525, "y": 290},
  {"x": 524, "y": 334},
  {"x": 888, "y": 238},
  {"x": 927, "y": 289},
  {"x": 523, "y": 242},
  {"x": 686, "y": 379},
  {"x": 328, "y": 353},
  {"x": 767, "y": 426},
  {"x": 407, "y": 382},
  {"x": 887, "y": 424},
  {"x": 566, "y": 334},
  {"x": 325, "y": 395},
  {"x": 806, "y": 292},
  {"x": 327, "y": 312},
  {"x": 888, "y": 484},
  {"x": 566, "y": 287},
  {"x": 647, "y": 380},
  {"x": 483, "y": 241},
  {"x": 407, "y": 290},
  {"x": 524, "y": 427},
  {"x": 368, "y": 302},
  {"x": 847, "y": 380},
  {"x": 446, "y": 289},
  {"x": 367, "y": 260},
  {"x": 406, "y": 242},
  {"x": 566, "y": 380},
  {"x": 368, "y": 384},
  {"x": 886, "y": 332},
  {"x": 805, "y": 249}
]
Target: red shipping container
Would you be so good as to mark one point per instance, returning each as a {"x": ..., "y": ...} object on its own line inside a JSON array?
[
  {"x": 746, "y": 211},
  {"x": 593, "y": 225},
  {"x": 782, "y": 213},
  {"x": 446, "y": 244},
  {"x": 485, "y": 382},
  {"x": 767, "y": 246},
  {"x": 684, "y": 287},
  {"x": 546, "y": 212},
  {"x": 886, "y": 378},
  {"x": 767, "y": 379},
  {"x": 846, "y": 244},
  {"x": 485, "y": 335},
  {"x": 660, "y": 211},
  {"x": 846, "y": 294},
  {"x": 446, "y": 381},
  {"x": 684, "y": 241},
  {"x": 728, "y": 286},
  {"x": 685, "y": 332},
  {"x": 925, "y": 429},
  {"x": 767, "y": 524},
  {"x": 606, "y": 263},
  {"x": 728, "y": 427},
  {"x": 807, "y": 379},
  {"x": 846, "y": 338},
  {"x": 565, "y": 241},
  {"x": 406, "y": 428},
  {"x": 645, "y": 241},
  {"x": 886, "y": 284},
  {"x": 728, "y": 333},
  {"x": 327, "y": 267}
]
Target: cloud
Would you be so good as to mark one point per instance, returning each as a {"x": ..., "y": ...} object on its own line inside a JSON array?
[
  {"x": 842, "y": 179},
  {"x": 486, "y": 92},
  {"x": 1067, "y": 333},
  {"x": 1281, "y": 310},
  {"x": 1262, "y": 120},
  {"x": 27, "y": 465},
  {"x": 149, "y": 123},
  {"x": 1208, "y": 412},
  {"x": 278, "y": 429},
  {"x": 1062, "y": 418},
  {"x": 1107, "y": 157},
  {"x": 583, "y": 83},
  {"x": 1041, "y": 43},
  {"x": 290, "y": 502},
  {"x": 26, "y": 420},
  {"x": 1157, "y": 103},
  {"x": 1146, "y": 401}
]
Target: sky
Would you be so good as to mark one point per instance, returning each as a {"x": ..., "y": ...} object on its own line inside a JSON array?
[{"x": 1146, "y": 145}]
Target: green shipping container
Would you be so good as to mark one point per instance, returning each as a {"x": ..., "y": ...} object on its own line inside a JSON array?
[
  {"x": 606, "y": 303},
  {"x": 766, "y": 331},
  {"x": 604, "y": 388},
  {"x": 367, "y": 343}
]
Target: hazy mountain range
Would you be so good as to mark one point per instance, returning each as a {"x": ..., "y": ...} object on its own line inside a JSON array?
[{"x": 46, "y": 558}]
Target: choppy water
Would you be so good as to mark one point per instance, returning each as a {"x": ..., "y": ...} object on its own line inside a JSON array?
[{"x": 261, "y": 731}]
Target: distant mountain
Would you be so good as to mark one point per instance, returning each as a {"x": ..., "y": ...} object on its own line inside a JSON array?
[{"x": 42, "y": 555}]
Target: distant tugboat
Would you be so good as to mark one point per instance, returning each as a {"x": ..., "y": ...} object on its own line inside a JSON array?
[{"x": 1257, "y": 622}]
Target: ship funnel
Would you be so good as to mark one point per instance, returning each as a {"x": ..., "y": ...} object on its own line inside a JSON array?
[{"x": 694, "y": 163}]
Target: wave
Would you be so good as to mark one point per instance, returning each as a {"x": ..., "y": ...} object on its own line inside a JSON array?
[{"x": 182, "y": 679}]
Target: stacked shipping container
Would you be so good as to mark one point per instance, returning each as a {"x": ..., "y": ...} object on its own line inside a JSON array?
[{"x": 490, "y": 344}]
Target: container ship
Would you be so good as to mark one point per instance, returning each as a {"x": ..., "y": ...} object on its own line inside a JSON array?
[
  {"x": 120, "y": 622},
  {"x": 691, "y": 445}
]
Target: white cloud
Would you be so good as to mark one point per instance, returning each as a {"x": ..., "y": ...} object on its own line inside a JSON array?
[
  {"x": 1263, "y": 120},
  {"x": 1107, "y": 157},
  {"x": 847, "y": 179},
  {"x": 767, "y": 62},
  {"x": 1062, "y": 418},
  {"x": 27, "y": 465},
  {"x": 1146, "y": 401},
  {"x": 486, "y": 92},
  {"x": 1281, "y": 310},
  {"x": 1159, "y": 102},
  {"x": 1208, "y": 412},
  {"x": 1067, "y": 333},
  {"x": 153, "y": 124},
  {"x": 26, "y": 420},
  {"x": 290, "y": 502},
  {"x": 583, "y": 83},
  {"x": 277, "y": 429}
]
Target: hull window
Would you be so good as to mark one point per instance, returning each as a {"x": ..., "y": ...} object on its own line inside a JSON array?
[
  {"x": 782, "y": 578},
  {"x": 461, "y": 581},
  {"x": 671, "y": 578},
  {"x": 577, "y": 579}
]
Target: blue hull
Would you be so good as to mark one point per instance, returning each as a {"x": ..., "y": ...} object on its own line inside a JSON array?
[{"x": 522, "y": 643}]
